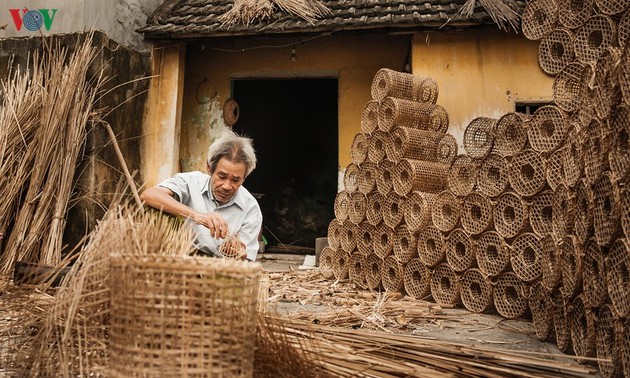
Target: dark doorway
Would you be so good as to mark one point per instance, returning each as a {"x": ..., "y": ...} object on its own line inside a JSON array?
[{"x": 293, "y": 123}]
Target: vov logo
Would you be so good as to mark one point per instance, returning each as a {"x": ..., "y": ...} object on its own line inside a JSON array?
[{"x": 33, "y": 19}]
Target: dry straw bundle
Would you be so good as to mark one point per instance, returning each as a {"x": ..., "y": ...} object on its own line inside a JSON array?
[{"x": 247, "y": 12}]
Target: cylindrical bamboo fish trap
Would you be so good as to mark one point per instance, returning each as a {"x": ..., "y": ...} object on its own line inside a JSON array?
[
  {"x": 624, "y": 70},
  {"x": 594, "y": 268},
  {"x": 167, "y": 311},
  {"x": 608, "y": 343},
  {"x": 326, "y": 262},
  {"x": 476, "y": 291},
  {"x": 409, "y": 143},
  {"x": 573, "y": 14},
  {"x": 573, "y": 159},
  {"x": 404, "y": 244},
  {"x": 618, "y": 278},
  {"x": 555, "y": 170},
  {"x": 556, "y": 51},
  {"x": 623, "y": 31},
  {"x": 595, "y": 151},
  {"x": 494, "y": 175},
  {"x": 417, "y": 115},
  {"x": 511, "y": 215},
  {"x": 542, "y": 307},
  {"x": 551, "y": 263},
  {"x": 359, "y": 149},
  {"x": 374, "y": 210},
  {"x": 619, "y": 155},
  {"x": 367, "y": 177},
  {"x": 510, "y": 296},
  {"x": 596, "y": 35},
  {"x": 446, "y": 211},
  {"x": 479, "y": 137},
  {"x": 526, "y": 257},
  {"x": 625, "y": 211},
  {"x": 393, "y": 209},
  {"x": 541, "y": 213},
  {"x": 373, "y": 268},
  {"x": 340, "y": 264},
  {"x": 602, "y": 90},
  {"x": 376, "y": 146},
  {"x": 563, "y": 211},
  {"x": 462, "y": 177},
  {"x": 582, "y": 329},
  {"x": 424, "y": 176},
  {"x": 527, "y": 173},
  {"x": 539, "y": 18},
  {"x": 341, "y": 205},
  {"x": 383, "y": 240},
  {"x": 369, "y": 117},
  {"x": 625, "y": 349},
  {"x": 365, "y": 238},
  {"x": 583, "y": 223},
  {"x": 349, "y": 232},
  {"x": 461, "y": 251},
  {"x": 476, "y": 214},
  {"x": 356, "y": 269},
  {"x": 358, "y": 206},
  {"x": 445, "y": 285},
  {"x": 511, "y": 134},
  {"x": 547, "y": 129},
  {"x": 431, "y": 246},
  {"x": 606, "y": 209},
  {"x": 392, "y": 274},
  {"x": 334, "y": 233},
  {"x": 417, "y": 211},
  {"x": 351, "y": 178},
  {"x": 384, "y": 176},
  {"x": 493, "y": 254},
  {"x": 571, "y": 264},
  {"x": 568, "y": 86},
  {"x": 417, "y": 279},
  {"x": 562, "y": 322},
  {"x": 390, "y": 83}
]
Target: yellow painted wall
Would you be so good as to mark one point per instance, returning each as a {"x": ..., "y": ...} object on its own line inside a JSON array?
[{"x": 480, "y": 73}]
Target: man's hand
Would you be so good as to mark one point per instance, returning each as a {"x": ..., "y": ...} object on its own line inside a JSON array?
[{"x": 214, "y": 222}]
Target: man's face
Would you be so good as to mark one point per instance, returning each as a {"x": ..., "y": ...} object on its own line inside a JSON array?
[{"x": 226, "y": 179}]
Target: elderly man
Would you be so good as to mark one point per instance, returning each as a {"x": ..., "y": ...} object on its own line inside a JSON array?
[{"x": 215, "y": 204}]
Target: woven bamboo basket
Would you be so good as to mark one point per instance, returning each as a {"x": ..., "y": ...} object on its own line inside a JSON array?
[
  {"x": 404, "y": 244},
  {"x": 461, "y": 251},
  {"x": 384, "y": 176},
  {"x": 551, "y": 263},
  {"x": 477, "y": 211},
  {"x": 373, "y": 271},
  {"x": 493, "y": 254},
  {"x": 376, "y": 146},
  {"x": 359, "y": 149},
  {"x": 582, "y": 329},
  {"x": 369, "y": 117},
  {"x": 541, "y": 306},
  {"x": 494, "y": 175},
  {"x": 603, "y": 89},
  {"x": 409, "y": 143},
  {"x": 392, "y": 274},
  {"x": 510, "y": 296},
  {"x": 619, "y": 155},
  {"x": 595, "y": 150},
  {"x": 351, "y": 178},
  {"x": 476, "y": 291},
  {"x": 624, "y": 70},
  {"x": 511, "y": 134},
  {"x": 606, "y": 209},
  {"x": 573, "y": 14},
  {"x": 263, "y": 293},
  {"x": 541, "y": 214},
  {"x": 608, "y": 343},
  {"x": 326, "y": 262},
  {"x": 417, "y": 211},
  {"x": 349, "y": 232},
  {"x": 539, "y": 18},
  {"x": 383, "y": 240},
  {"x": 367, "y": 177},
  {"x": 334, "y": 233},
  {"x": 365, "y": 238},
  {"x": 431, "y": 246},
  {"x": 623, "y": 30},
  {"x": 358, "y": 206},
  {"x": 571, "y": 265},
  {"x": 393, "y": 210},
  {"x": 356, "y": 270},
  {"x": 555, "y": 169},
  {"x": 341, "y": 205},
  {"x": 573, "y": 159},
  {"x": 511, "y": 215},
  {"x": 556, "y": 51},
  {"x": 417, "y": 279},
  {"x": 562, "y": 323},
  {"x": 406, "y": 113},
  {"x": 181, "y": 315},
  {"x": 526, "y": 257},
  {"x": 594, "y": 268},
  {"x": 445, "y": 285},
  {"x": 625, "y": 349},
  {"x": 568, "y": 86},
  {"x": 563, "y": 211},
  {"x": 527, "y": 173},
  {"x": 446, "y": 211},
  {"x": 547, "y": 129},
  {"x": 374, "y": 209},
  {"x": 617, "y": 268},
  {"x": 583, "y": 223},
  {"x": 596, "y": 35},
  {"x": 340, "y": 264},
  {"x": 390, "y": 83},
  {"x": 479, "y": 137},
  {"x": 462, "y": 177},
  {"x": 624, "y": 195},
  {"x": 417, "y": 175}
]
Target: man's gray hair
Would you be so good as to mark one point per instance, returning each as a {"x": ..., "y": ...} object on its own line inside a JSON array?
[{"x": 235, "y": 148}]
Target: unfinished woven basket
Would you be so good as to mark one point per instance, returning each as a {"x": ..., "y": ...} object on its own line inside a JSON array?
[
  {"x": 547, "y": 129},
  {"x": 569, "y": 86},
  {"x": 583, "y": 223},
  {"x": 431, "y": 246},
  {"x": 617, "y": 268},
  {"x": 393, "y": 210},
  {"x": 367, "y": 177},
  {"x": 573, "y": 14},
  {"x": 369, "y": 117},
  {"x": 527, "y": 173},
  {"x": 359, "y": 149},
  {"x": 446, "y": 211},
  {"x": 358, "y": 206},
  {"x": 596, "y": 35},
  {"x": 404, "y": 244},
  {"x": 608, "y": 342},
  {"x": 476, "y": 291},
  {"x": 374, "y": 210},
  {"x": 417, "y": 115},
  {"x": 461, "y": 251},
  {"x": 341, "y": 205},
  {"x": 619, "y": 155},
  {"x": 409, "y": 143},
  {"x": 392, "y": 274},
  {"x": 418, "y": 175},
  {"x": 383, "y": 240},
  {"x": 595, "y": 150},
  {"x": 511, "y": 215},
  {"x": 462, "y": 177},
  {"x": 541, "y": 306},
  {"x": 582, "y": 329},
  {"x": 494, "y": 175},
  {"x": 479, "y": 137},
  {"x": 563, "y": 212},
  {"x": 571, "y": 264},
  {"x": 384, "y": 176},
  {"x": 417, "y": 280},
  {"x": 510, "y": 296},
  {"x": 390, "y": 83},
  {"x": 551, "y": 263},
  {"x": 555, "y": 170},
  {"x": 511, "y": 134},
  {"x": 356, "y": 270},
  {"x": 541, "y": 214},
  {"x": 606, "y": 209},
  {"x": 445, "y": 285},
  {"x": 594, "y": 268},
  {"x": 539, "y": 18},
  {"x": 556, "y": 51},
  {"x": 493, "y": 254},
  {"x": 181, "y": 315},
  {"x": 351, "y": 178},
  {"x": 476, "y": 216},
  {"x": 349, "y": 232},
  {"x": 376, "y": 146},
  {"x": 526, "y": 257},
  {"x": 562, "y": 323},
  {"x": 334, "y": 233},
  {"x": 326, "y": 262},
  {"x": 417, "y": 211},
  {"x": 373, "y": 271},
  {"x": 340, "y": 264},
  {"x": 365, "y": 238}
]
